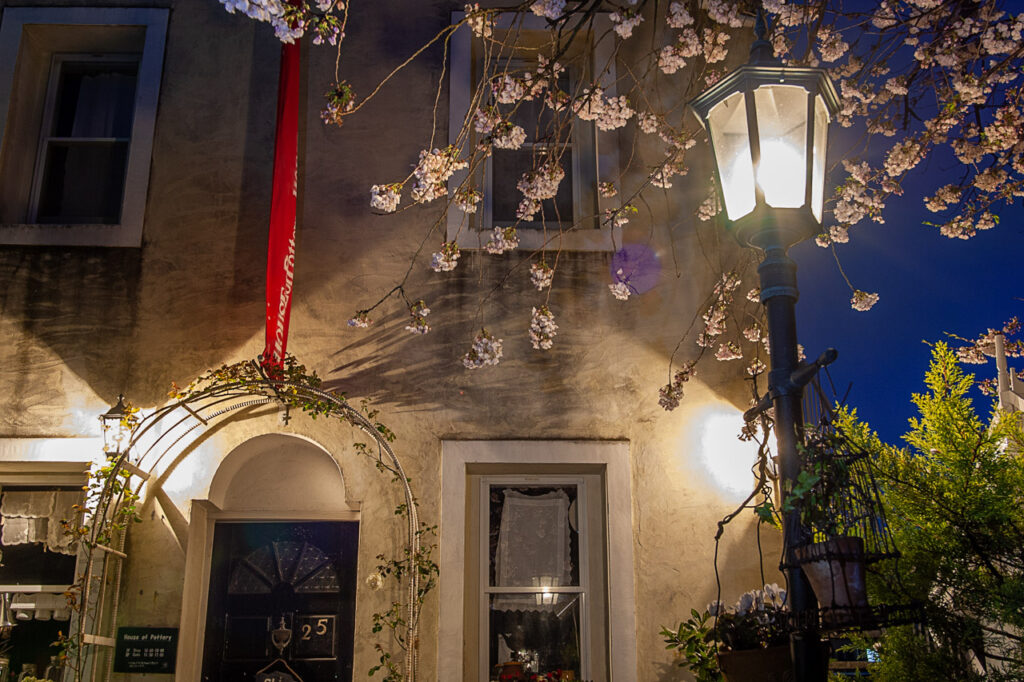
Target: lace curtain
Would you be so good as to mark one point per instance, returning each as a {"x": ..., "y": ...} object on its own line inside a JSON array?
[
  {"x": 36, "y": 516},
  {"x": 533, "y": 548}
]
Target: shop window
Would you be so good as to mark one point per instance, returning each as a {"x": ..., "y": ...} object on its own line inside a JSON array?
[{"x": 78, "y": 97}]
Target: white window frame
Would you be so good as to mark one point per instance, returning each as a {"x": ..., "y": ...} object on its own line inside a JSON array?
[
  {"x": 16, "y": 22},
  {"x": 584, "y": 588},
  {"x": 605, "y": 166},
  {"x": 461, "y": 460}
]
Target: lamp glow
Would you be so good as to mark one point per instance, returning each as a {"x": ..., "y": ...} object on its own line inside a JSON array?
[
  {"x": 780, "y": 174},
  {"x": 727, "y": 460}
]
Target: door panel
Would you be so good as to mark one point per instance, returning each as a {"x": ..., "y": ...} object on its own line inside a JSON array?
[{"x": 289, "y": 583}]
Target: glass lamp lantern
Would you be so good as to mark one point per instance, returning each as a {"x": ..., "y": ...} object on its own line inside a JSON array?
[
  {"x": 768, "y": 127},
  {"x": 117, "y": 425}
]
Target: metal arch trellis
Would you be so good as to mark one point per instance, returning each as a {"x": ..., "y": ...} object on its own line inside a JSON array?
[{"x": 109, "y": 508}]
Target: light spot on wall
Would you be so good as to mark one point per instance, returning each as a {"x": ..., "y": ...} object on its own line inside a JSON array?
[{"x": 720, "y": 453}]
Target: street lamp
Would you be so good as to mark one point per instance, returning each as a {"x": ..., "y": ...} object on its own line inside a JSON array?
[
  {"x": 768, "y": 126},
  {"x": 117, "y": 425}
]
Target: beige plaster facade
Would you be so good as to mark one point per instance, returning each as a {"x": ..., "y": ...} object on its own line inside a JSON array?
[{"x": 81, "y": 324}]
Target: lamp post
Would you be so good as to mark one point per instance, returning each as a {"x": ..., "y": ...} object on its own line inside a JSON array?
[{"x": 768, "y": 127}]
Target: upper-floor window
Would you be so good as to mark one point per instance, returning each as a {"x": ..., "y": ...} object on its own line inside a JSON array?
[
  {"x": 78, "y": 97},
  {"x": 83, "y": 149},
  {"x": 573, "y": 219}
]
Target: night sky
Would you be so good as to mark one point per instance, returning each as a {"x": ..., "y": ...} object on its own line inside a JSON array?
[{"x": 928, "y": 285}]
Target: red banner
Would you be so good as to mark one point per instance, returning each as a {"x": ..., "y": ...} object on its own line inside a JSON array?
[{"x": 283, "y": 203}]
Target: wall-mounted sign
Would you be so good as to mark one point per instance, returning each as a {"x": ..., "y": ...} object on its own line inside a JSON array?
[{"x": 145, "y": 650}]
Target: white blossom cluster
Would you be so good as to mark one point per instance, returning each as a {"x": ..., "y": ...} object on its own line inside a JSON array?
[
  {"x": 756, "y": 367},
  {"x": 709, "y": 208},
  {"x": 432, "y": 173},
  {"x": 418, "y": 324},
  {"x": 508, "y": 135},
  {"x": 714, "y": 45},
  {"x": 486, "y": 350},
  {"x": 678, "y": 16},
  {"x": 542, "y": 328},
  {"x": 467, "y": 199},
  {"x": 620, "y": 290},
  {"x": 541, "y": 275},
  {"x": 607, "y": 113},
  {"x": 863, "y": 301},
  {"x": 549, "y": 9},
  {"x": 943, "y": 198},
  {"x": 269, "y": 11},
  {"x": 502, "y": 239},
  {"x": 670, "y": 394},
  {"x": 624, "y": 22},
  {"x": 647, "y": 122},
  {"x": 481, "y": 23},
  {"x": 507, "y": 89},
  {"x": 485, "y": 119},
  {"x": 446, "y": 259},
  {"x": 725, "y": 13},
  {"x": 754, "y": 295},
  {"x": 361, "y": 320},
  {"x": 536, "y": 186},
  {"x": 728, "y": 351},
  {"x": 385, "y": 197},
  {"x": 607, "y": 189}
]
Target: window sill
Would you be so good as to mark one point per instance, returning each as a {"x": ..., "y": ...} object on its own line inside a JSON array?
[
  {"x": 69, "y": 235},
  {"x": 532, "y": 239}
]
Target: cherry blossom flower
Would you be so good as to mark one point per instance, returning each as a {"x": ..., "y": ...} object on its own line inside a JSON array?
[
  {"x": 607, "y": 189},
  {"x": 432, "y": 173},
  {"x": 863, "y": 301},
  {"x": 670, "y": 394},
  {"x": 542, "y": 328},
  {"x": 481, "y": 23},
  {"x": 756, "y": 367},
  {"x": 549, "y": 9},
  {"x": 620, "y": 290},
  {"x": 467, "y": 199},
  {"x": 502, "y": 239},
  {"x": 606, "y": 113},
  {"x": 418, "y": 324},
  {"x": 678, "y": 16},
  {"x": 385, "y": 197},
  {"x": 486, "y": 350},
  {"x": 624, "y": 22},
  {"x": 361, "y": 319},
  {"x": 541, "y": 275},
  {"x": 728, "y": 351},
  {"x": 446, "y": 259}
]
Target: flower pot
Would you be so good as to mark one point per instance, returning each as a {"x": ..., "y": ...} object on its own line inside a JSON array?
[
  {"x": 757, "y": 665},
  {"x": 835, "y": 569}
]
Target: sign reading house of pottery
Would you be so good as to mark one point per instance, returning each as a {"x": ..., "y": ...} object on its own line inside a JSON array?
[{"x": 145, "y": 650}]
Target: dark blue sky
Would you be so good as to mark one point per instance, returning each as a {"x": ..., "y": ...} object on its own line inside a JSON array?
[{"x": 928, "y": 285}]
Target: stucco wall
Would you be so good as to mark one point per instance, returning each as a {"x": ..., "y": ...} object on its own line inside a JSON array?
[{"x": 81, "y": 325}]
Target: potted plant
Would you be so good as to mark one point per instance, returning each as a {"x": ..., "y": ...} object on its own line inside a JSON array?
[{"x": 748, "y": 642}]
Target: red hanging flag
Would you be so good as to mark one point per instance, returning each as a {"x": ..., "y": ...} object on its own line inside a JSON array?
[{"x": 283, "y": 204}]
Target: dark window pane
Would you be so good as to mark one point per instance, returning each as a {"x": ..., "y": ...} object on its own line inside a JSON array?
[
  {"x": 83, "y": 182},
  {"x": 542, "y": 633},
  {"x": 95, "y": 99}
]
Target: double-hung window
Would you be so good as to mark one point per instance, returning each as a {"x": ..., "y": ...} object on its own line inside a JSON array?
[
  {"x": 83, "y": 148},
  {"x": 536, "y": 561},
  {"x": 78, "y": 98},
  {"x": 573, "y": 219},
  {"x": 541, "y": 576}
]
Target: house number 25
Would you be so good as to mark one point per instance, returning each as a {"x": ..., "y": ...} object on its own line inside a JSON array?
[{"x": 308, "y": 629}]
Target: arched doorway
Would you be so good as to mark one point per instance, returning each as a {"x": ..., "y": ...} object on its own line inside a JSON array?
[{"x": 276, "y": 543}]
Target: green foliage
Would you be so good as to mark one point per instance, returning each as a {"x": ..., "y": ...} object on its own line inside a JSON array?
[
  {"x": 693, "y": 639},
  {"x": 954, "y": 500}
]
